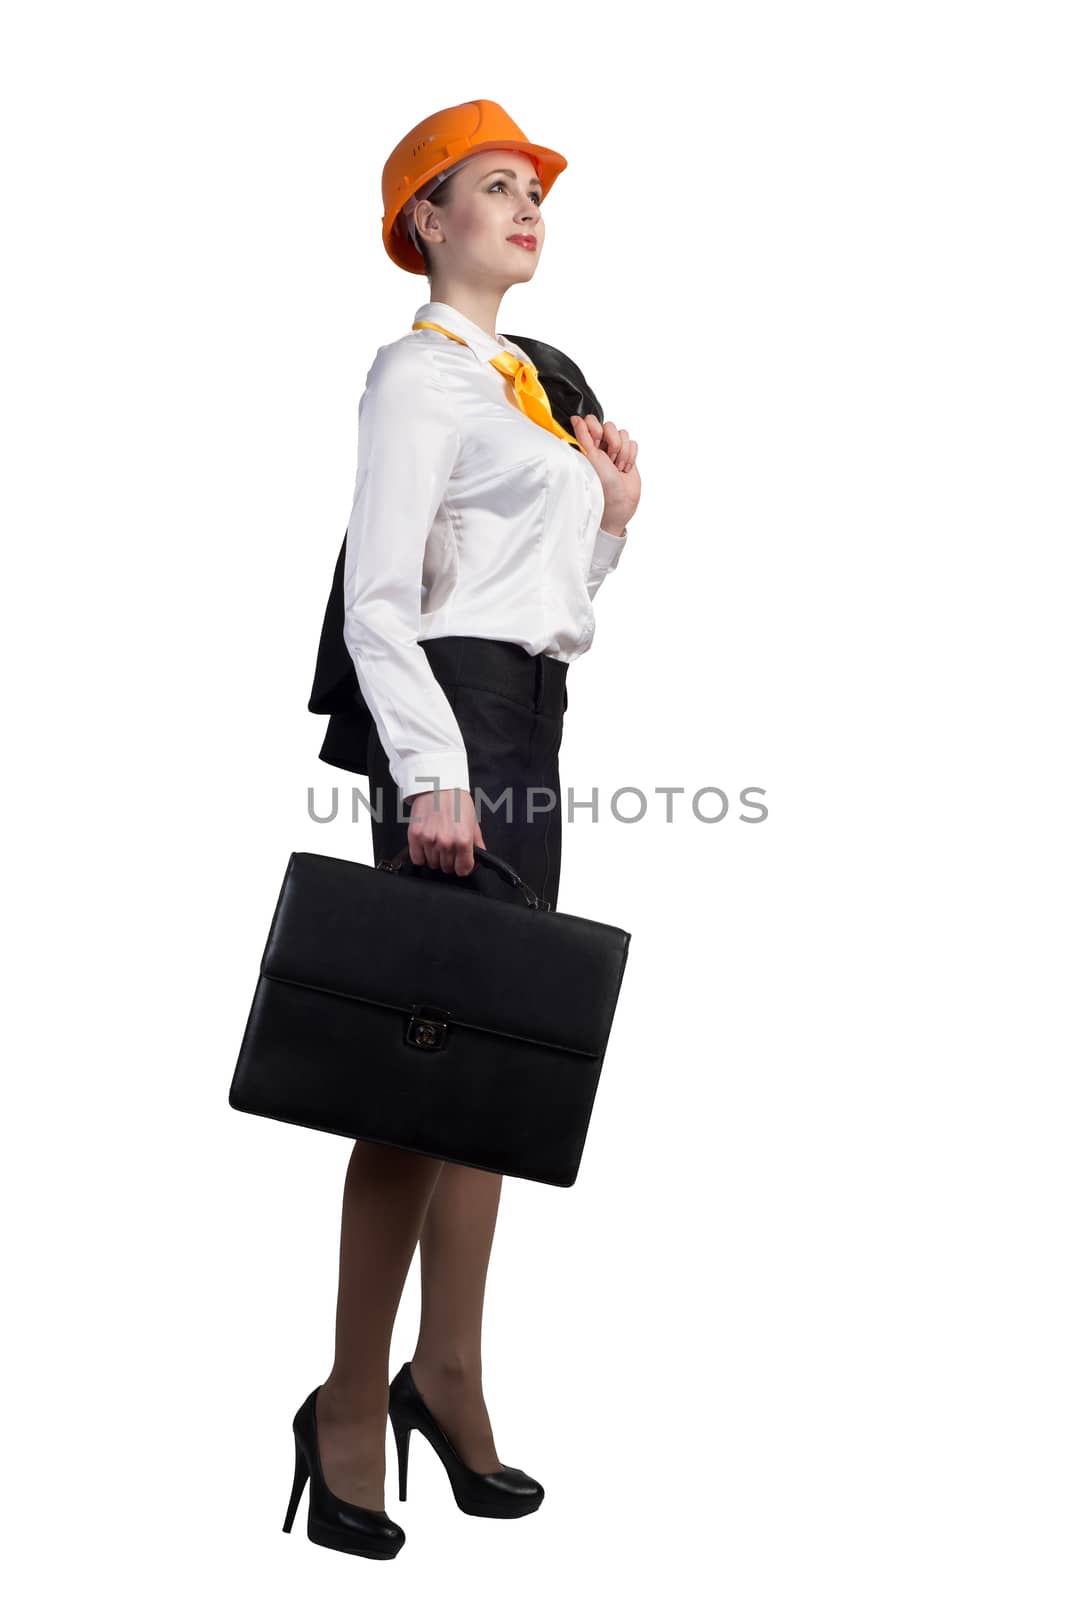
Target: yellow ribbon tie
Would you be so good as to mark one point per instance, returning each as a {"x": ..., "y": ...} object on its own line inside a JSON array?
[{"x": 529, "y": 394}]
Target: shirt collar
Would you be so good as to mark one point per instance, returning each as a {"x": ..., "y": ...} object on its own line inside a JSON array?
[{"x": 484, "y": 345}]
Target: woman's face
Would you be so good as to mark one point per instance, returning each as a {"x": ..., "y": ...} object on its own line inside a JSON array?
[{"x": 492, "y": 200}]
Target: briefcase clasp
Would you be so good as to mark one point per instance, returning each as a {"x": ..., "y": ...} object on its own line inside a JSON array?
[{"x": 427, "y": 1027}]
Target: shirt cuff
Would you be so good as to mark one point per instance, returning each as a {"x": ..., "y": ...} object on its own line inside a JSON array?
[
  {"x": 419, "y": 773},
  {"x": 607, "y": 549}
]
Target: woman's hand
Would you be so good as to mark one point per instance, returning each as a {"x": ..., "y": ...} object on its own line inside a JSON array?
[
  {"x": 443, "y": 828},
  {"x": 611, "y": 452}
]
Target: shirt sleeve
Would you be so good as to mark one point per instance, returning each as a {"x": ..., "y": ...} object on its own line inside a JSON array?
[
  {"x": 607, "y": 549},
  {"x": 409, "y": 439}
]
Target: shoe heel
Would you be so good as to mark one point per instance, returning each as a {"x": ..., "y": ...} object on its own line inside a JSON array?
[
  {"x": 508, "y": 1492},
  {"x": 300, "y": 1478},
  {"x": 402, "y": 1433}
]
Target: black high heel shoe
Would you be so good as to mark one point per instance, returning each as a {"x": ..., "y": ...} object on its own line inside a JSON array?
[
  {"x": 506, "y": 1493},
  {"x": 333, "y": 1522}
]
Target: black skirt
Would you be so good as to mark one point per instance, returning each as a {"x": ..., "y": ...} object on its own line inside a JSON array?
[{"x": 510, "y": 706}]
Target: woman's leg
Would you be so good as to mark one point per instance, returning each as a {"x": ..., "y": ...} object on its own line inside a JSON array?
[
  {"x": 385, "y": 1202},
  {"x": 454, "y": 1250}
]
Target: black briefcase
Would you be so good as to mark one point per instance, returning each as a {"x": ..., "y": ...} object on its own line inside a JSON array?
[{"x": 408, "y": 1011}]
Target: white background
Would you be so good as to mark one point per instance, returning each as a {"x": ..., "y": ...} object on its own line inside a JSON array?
[{"x": 799, "y": 1328}]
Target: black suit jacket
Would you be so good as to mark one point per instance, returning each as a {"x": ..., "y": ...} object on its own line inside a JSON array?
[{"x": 336, "y": 690}]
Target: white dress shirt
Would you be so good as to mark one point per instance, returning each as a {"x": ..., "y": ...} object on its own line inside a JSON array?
[{"x": 468, "y": 518}]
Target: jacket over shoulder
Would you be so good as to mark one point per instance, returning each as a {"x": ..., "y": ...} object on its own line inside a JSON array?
[{"x": 336, "y": 690}]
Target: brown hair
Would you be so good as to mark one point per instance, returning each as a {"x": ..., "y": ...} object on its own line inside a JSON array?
[{"x": 439, "y": 197}]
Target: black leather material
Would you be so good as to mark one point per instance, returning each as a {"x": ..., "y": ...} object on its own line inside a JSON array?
[
  {"x": 508, "y": 1492},
  {"x": 336, "y": 690},
  {"x": 398, "y": 1009},
  {"x": 333, "y": 1522}
]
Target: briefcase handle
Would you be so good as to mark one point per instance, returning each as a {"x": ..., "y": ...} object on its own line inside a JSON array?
[{"x": 483, "y": 858}]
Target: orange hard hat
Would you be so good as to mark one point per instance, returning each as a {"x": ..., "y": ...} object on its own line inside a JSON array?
[{"x": 439, "y": 142}]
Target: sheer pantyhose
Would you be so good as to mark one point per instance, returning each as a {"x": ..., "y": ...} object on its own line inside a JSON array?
[{"x": 392, "y": 1200}]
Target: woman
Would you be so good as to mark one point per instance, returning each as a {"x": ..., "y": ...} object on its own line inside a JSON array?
[{"x": 480, "y": 532}]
